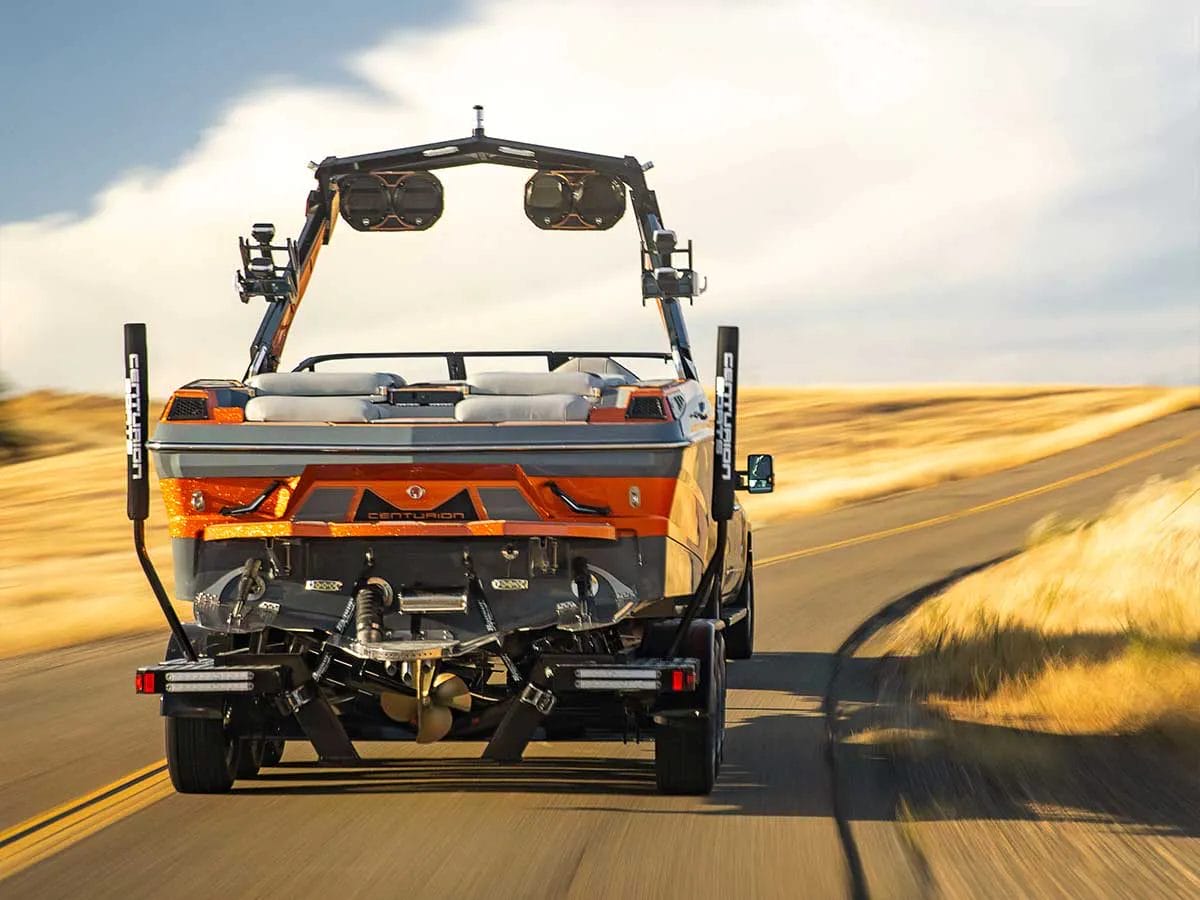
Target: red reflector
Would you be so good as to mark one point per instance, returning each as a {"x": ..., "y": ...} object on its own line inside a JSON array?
[
  {"x": 137, "y": 682},
  {"x": 144, "y": 682}
]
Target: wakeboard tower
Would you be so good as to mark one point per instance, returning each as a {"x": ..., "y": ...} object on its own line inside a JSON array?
[{"x": 478, "y": 556}]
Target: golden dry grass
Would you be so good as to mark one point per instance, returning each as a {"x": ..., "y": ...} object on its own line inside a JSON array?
[
  {"x": 839, "y": 445},
  {"x": 67, "y": 573},
  {"x": 67, "y": 569},
  {"x": 49, "y": 423},
  {"x": 1094, "y": 629}
]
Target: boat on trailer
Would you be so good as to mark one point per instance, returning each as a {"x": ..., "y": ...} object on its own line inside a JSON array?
[{"x": 373, "y": 556}]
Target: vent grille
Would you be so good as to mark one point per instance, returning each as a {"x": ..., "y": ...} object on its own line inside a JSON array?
[
  {"x": 646, "y": 407},
  {"x": 185, "y": 408}
]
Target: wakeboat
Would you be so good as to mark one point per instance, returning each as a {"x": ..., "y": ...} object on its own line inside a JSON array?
[{"x": 491, "y": 554}]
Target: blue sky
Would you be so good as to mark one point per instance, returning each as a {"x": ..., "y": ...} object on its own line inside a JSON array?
[
  {"x": 878, "y": 190},
  {"x": 98, "y": 88}
]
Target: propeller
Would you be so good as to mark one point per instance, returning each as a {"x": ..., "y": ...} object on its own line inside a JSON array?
[{"x": 430, "y": 709}]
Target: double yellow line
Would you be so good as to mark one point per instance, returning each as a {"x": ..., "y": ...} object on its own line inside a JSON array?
[
  {"x": 46, "y": 834},
  {"x": 56, "y": 829},
  {"x": 971, "y": 510}
]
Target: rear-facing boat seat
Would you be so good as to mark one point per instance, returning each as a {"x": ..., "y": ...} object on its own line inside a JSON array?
[
  {"x": 564, "y": 395},
  {"x": 344, "y": 397},
  {"x": 323, "y": 384},
  {"x": 532, "y": 384},
  {"x": 558, "y": 396},
  {"x": 347, "y": 410},
  {"x": 539, "y": 408}
]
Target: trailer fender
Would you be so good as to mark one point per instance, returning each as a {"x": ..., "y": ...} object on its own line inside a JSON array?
[{"x": 696, "y": 644}]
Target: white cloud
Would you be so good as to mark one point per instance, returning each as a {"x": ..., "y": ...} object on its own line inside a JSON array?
[{"x": 824, "y": 156}]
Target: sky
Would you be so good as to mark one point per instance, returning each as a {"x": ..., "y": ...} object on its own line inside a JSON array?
[{"x": 877, "y": 191}]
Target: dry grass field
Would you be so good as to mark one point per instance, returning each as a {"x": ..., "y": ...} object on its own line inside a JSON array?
[
  {"x": 67, "y": 573},
  {"x": 840, "y": 445},
  {"x": 67, "y": 569},
  {"x": 1094, "y": 629}
]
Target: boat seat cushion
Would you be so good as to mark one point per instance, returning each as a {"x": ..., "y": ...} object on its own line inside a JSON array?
[
  {"x": 532, "y": 384},
  {"x": 322, "y": 384},
  {"x": 312, "y": 409},
  {"x": 542, "y": 408}
]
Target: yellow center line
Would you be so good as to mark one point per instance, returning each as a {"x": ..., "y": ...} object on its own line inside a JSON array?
[
  {"x": 56, "y": 829},
  {"x": 972, "y": 510}
]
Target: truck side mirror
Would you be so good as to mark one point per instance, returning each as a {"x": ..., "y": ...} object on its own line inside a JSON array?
[{"x": 760, "y": 473}]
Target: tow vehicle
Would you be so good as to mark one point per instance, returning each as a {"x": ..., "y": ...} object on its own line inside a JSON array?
[{"x": 478, "y": 556}]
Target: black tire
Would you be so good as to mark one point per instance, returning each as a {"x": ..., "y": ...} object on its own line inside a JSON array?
[
  {"x": 739, "y": 637},
  {"x": 688, "y": 753},
  {"x": 722, "y": 655},
  {"x": 200, "y": 757},
  {"x": 272, "y": 752},
  {"x": 249, "y": 758}
]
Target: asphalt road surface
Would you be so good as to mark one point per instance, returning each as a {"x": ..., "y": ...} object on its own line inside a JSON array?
[{"x": 576, "y": 819}]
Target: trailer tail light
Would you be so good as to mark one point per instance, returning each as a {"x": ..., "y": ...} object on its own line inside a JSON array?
[
  {"x": 617, "y": 678},
  {"x": 177, "y": 676},
  {"x": 206, "y": 680},
  {"x": 680, "y": 680},
  {"x": 210, "y": 681},
  {"x": 651, "y": 676}
]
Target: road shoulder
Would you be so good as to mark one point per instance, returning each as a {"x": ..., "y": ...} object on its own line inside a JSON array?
[{"x": 984, "y": 811}]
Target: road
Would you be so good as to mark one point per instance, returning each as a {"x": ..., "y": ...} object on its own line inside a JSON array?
[{"x": 575, "y": 819}]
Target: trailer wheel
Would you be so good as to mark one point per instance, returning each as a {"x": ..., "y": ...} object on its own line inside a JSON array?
[
  {"x": 272, "y": 751},
  {"x": 249, "y": 758},
  {"x": 201, "y": 758},
  {"x": 688, "y": 752},
  {"x": 255, "y": 753},
  {"x": 739, "y": 637}
]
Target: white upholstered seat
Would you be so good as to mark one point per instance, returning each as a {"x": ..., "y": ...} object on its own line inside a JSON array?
[
  {"x": 312, "y": 409},
  {"x": 530, "y": 384},
  {"x": 541, "y": 408},
  {"x": 322, "y": 384}
]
